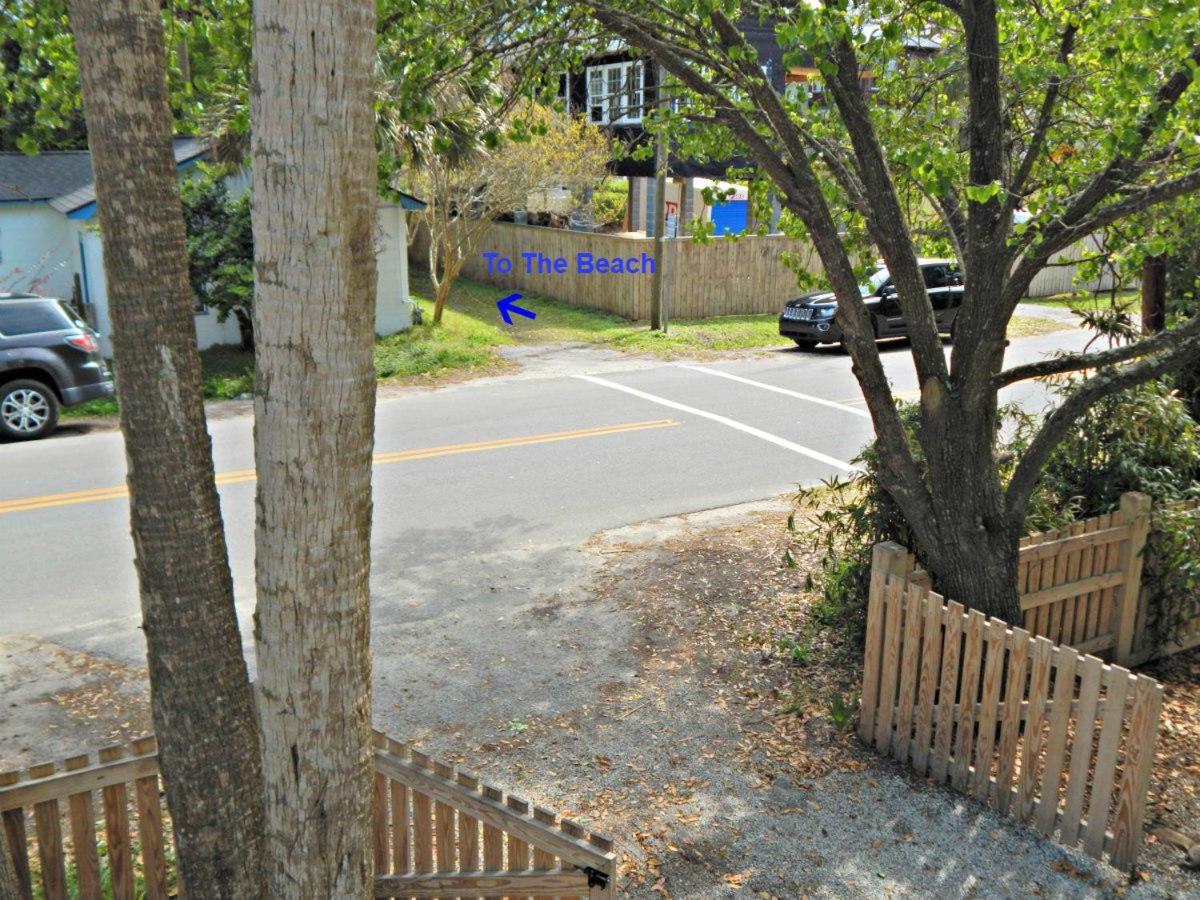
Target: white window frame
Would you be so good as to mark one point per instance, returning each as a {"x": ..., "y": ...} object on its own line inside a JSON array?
[{"x": 622, "y": 105}]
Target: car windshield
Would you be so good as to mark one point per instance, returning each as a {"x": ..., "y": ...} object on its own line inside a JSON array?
[{"x": 875, "y": 282}]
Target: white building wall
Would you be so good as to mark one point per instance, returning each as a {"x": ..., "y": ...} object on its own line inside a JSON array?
[
  {"x": 209, "y": 332},
  {"x": 39, "y": 249},
  {"x": 393, "y": 312}
]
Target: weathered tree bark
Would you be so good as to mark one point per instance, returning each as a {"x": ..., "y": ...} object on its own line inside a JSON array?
[
  {"x": 314, "y": 200},
  {"x": 9, "y": 888},
  {"x": 202, "y": 701},
  {"x": 1154, "y": 294}
]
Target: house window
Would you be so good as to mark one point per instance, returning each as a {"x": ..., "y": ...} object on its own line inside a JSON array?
[{"x": 615, "y": 93}]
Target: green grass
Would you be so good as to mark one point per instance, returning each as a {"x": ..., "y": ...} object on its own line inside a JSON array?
[
  {"x": 226, "y": 372},
  {"x": 1126, "y": 300},
  {"x": 558, "y": 321}
]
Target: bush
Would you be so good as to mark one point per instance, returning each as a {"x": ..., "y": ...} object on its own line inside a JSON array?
[
  {"x": 608, "y": 202},
  {"x": 1140, "y": 440}
]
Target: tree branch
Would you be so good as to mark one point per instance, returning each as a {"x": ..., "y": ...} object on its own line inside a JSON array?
[
  {"x": 1107, "y": 381},
  {"x": 1075, "y": 362},
  {"x": 1045, "y": 117}
]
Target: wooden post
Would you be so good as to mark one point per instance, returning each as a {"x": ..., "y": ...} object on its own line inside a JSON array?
[
  {"x": 1134, "y": 512},
  {"x": 660, "y": 214}
]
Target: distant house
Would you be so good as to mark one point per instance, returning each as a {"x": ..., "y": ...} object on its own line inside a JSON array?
[
  {"x": 50, "y": 241},
  {"x": 617, "y": 87}
]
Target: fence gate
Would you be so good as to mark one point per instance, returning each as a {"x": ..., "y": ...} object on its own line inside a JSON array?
[
  {"x": 1039, "y": 731},
  {"x": 96, "y": 826}
]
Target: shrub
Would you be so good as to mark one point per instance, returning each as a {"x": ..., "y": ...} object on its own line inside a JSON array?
[{"x": 1140, "y": 440}]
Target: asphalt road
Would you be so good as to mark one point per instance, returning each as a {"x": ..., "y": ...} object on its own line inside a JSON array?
[{"x": 483, "y": 490}]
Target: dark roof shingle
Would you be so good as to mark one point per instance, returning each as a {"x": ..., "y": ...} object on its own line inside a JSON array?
[
  {"x": 65, "y": 176},
  {"x": 45, "y": 176}
]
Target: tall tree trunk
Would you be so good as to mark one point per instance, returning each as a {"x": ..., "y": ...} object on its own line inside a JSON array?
[
  {"x": 202, "y": 701},
  {"x": 314, "y": 199},
  {"x": 1154, "y": 294}
]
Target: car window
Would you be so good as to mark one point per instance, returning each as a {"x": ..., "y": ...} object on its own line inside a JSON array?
[
  {"x": 876, "y": 282},
  {"x": 31, "y": 318},
  {"x": 935, "y": 276}
]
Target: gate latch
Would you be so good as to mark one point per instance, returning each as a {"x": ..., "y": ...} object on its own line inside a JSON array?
[{"x": 596, "y": 878}]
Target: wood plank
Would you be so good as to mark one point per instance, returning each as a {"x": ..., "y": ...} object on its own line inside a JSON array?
[
  {"x": 1043, "y": 598},
  {"x": 543, "y": 860},
  {"x": 82, "y": 815},
  {"x": 1103, "y": 561},
  {"x": 491, "y": 883},
  {"x": 893, "y": 623},
  {"x": 1075, "y": 541},
  {"x": 1074, "y": 559},
  {"x": 493, "y": 837},
  {"x": 1134, "y": 512},
  {"x": 968, "y": 690},
  {"x": 1056, "y": 743},
  {"x": 1011, "y": 718},
  {"x": 1106, "y": 761},
  {"x": 64, "y": 784},
  {"x": 150, "y": 834},
  {"x": 489, "y": 811},
  {"x": 1086, "y": 563},
  {"x": 422, "y": 816},
  {"x": 518, "y": 849},
  {"x": 48, "y": 826},
  {"x": 16, "y": 839},
  {"x": 910, "y": 661},
  {"x": 873, "y": 651},
  {"x": 443, "y": 826},
  {"x": 1091, "y": 670},
  {"x": 1031, "y": 747},
  {"x": 1135, "y": 777},
  {"x": 380, "y": 823},
  {"x": 954, "y": 620},
  {"x": 931, "y": 660},
  {"x": 468, "y": 831},
  {"x": 996, "y": 634},
  {"x": 401, "y": 815},
  {"x": 115, "y": 800}
]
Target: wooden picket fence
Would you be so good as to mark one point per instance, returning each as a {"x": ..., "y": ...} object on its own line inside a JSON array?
[
  {"x": 1082, "y": 586},
  {"x": 99, "y": 829},
  {"x": 1041, "y": 732}
]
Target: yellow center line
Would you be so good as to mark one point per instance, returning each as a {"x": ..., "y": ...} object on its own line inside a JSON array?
[{"x": 92, "y": 495}]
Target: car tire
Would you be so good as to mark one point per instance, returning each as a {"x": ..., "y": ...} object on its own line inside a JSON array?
[
  {"x": 805, "y": 343},
  {"x": 28, "y": 410}
]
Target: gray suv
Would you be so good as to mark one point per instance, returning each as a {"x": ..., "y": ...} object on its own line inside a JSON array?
[{"x": 48, "y": 359}]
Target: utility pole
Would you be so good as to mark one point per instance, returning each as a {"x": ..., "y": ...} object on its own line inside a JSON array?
[{"x": 660, "y": 215}]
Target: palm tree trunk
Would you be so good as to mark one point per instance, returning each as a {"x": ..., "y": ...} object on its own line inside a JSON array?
[
  {"x": 315, "y": 195},
  {"x": 201, "y": 696}
]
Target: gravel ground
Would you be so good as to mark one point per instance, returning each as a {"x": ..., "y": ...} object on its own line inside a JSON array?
[{"x": 643, "y": 692}]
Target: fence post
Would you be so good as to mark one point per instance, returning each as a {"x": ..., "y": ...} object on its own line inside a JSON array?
[
  {"x": 1135, "y": 513},
  {"x": 887, "y": 559}
]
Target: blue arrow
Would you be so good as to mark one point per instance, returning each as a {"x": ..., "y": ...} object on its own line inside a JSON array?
[{"x": 508, "y": 305}]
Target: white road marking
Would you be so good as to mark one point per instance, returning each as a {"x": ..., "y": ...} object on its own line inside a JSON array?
[
  {"x": 832, "y": 404},
  {"x": 731, "y": 423}
]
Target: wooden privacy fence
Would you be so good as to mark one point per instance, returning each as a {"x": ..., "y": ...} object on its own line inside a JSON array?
[
  {"x": 722, "y": 277},
  {"x": 1082, "y": 586},
  {"x": 1040, "y": 732},
  {"x": 96, "y": 827}
]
